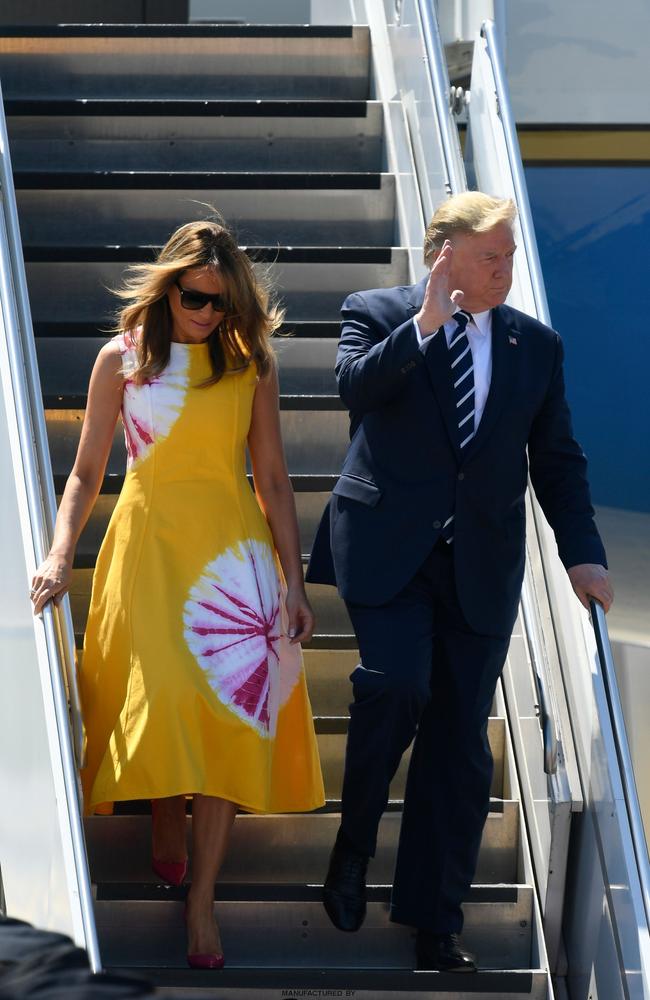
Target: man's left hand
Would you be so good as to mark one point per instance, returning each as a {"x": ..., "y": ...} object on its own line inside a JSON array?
[{"x": 591, "y": 580}]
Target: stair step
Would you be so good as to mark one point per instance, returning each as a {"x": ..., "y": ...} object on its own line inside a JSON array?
[
  {"x": 309, "y": 505},
  {"x": 288, "y": 401},
  {"x": 301, "y": 329},
  {"x": 184, "y": 135},
  {"x": 315, "y": 441},
  {"x": 360, "y": 984},
  {"x": 331, "y": 730},
  {"x": 328, "y": 678},
  {"x": 173, "y": 30},
  {"x": 331, "y": 748},
  {"x": 196, "y": 61},
  {"x": 265, "y": 209},
  {"x": 289, "y": 848},
  {"x": 80, "y": 290},
  {"x": 328, "y": 672},
  {"x": 279, "y": 926},
  {"x": 112, "y": 483},
  {"x": 331, "y": 615},
  {"x": 306, "y": 368},
  {"x": 169, "y": 107},
  {"x": 321, "y": 640},
  {"x": 176, "y": 180},
  {"x": 91, "y": 254},
  {"x": 262, "y": 892}
]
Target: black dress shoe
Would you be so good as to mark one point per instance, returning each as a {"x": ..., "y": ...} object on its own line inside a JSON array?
[
  {"x": 442, "y": 952},
  {"x": 344, "y": 892}
]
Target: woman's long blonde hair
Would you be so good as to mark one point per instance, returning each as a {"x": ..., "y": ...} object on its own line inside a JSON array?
[{"x": 242, "y": 336}]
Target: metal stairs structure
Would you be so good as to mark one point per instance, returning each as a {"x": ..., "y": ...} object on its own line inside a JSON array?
[{"x": 117, "y": 135}]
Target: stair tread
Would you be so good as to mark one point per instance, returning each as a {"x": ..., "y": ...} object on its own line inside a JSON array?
[
  {"x": 288, "y": 401},
  {"x": 142, "y": 807},
  {"x": 46, "y": 253},
  {"x": 496, "y": 981},
  {"x": 197, "y": 179},
  {"x": 337, "y": 725},
  {"x": 153, "y": 30},
  {"x": 319, "y": 641},
  {"x": 193, "y": 107},
  {"x": 319, "y": 483},
  {"x": 278, "y": 892},
  {"x": 310, "y": 329}
]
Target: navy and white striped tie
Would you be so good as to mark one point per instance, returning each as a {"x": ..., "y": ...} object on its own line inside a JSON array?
[{"x": 462, "y": 373}]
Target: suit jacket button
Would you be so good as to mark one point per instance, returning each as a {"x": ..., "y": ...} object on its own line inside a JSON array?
[
  {"x": 437, "y": 524},
  {"x": 461, "y": 475}
]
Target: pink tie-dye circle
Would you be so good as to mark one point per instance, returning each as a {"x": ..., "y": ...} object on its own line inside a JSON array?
[{"x": 236, "y": 627}]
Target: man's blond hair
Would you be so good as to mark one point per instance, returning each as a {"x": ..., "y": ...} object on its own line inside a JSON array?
[{"x": 469, "y": 212}]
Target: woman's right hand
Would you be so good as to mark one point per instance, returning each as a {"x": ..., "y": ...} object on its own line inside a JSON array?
[{"x": 51, "y": 581}]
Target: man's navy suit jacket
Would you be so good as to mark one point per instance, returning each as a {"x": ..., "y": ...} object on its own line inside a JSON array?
[{"x": 404, "y": 472}]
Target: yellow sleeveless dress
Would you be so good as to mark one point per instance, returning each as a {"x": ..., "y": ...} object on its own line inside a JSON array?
[{"x": 188, "y": 682}]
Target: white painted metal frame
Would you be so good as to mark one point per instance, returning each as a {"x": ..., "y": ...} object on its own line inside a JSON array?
[{"x": 42, "y": 852}]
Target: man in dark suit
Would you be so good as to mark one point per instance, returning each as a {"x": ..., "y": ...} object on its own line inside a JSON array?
[{"x": 424, "y": 537}]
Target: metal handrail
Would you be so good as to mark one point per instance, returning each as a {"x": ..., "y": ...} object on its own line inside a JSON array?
[
  {"x": 42, "y": 513},
  {"x": 440, "y": 85},
  {"x": 489, "y": 32},
  {"x": 625, "y": 765}
]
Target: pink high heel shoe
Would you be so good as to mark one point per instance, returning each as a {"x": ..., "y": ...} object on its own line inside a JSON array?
[
  {"x": 198, "y": 961},
  {"x": 171, "y": 872},
  {"x": 206, "y": 961}
]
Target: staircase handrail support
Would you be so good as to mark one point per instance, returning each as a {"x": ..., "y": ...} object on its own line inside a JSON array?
[
  {"x": 35, "y": 467},
  {"x": 440, "y": 86}
]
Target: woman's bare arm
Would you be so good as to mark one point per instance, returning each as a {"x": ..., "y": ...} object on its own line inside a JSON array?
[
  {"x": 53, "y": 577},
  {"x": 275, "y": 496}
]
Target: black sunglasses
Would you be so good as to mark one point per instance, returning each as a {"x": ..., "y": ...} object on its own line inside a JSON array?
[{"x": 191, "y": 299}]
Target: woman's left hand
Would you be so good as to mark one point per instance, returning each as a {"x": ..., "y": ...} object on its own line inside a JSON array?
[{"x": 301, "y": 616}]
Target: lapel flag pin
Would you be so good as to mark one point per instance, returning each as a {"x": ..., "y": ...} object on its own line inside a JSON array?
[{"x": 513, "y": 340}]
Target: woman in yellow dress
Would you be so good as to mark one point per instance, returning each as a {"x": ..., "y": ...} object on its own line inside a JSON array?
[{"x": 192, "y": 681}]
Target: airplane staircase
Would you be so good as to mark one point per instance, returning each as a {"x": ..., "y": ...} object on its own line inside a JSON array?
[{"x": 118, "y": 133}]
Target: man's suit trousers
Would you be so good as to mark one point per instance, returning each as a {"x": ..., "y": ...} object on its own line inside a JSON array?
[{"x": 426, "y": 677}]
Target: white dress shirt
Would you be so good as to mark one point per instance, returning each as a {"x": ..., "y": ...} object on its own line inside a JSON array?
[{"x": 479, "y": 335}]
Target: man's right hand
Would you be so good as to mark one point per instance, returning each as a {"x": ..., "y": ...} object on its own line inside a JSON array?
[{"x": 439, "y": 305}]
